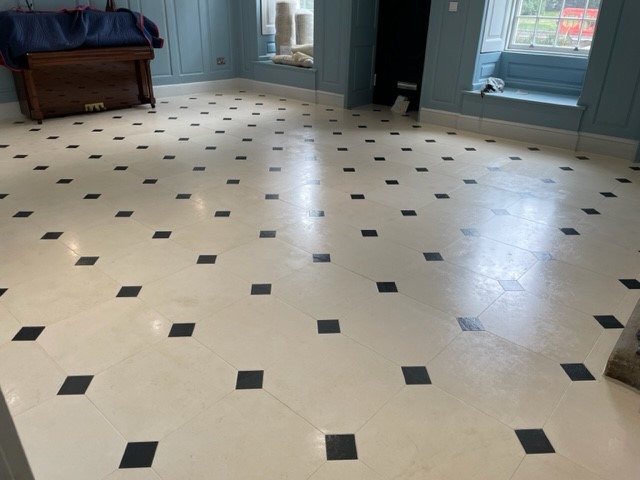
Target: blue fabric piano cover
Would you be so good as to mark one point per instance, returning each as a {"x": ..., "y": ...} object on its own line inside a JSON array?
[{"x": 84, "y": 27}]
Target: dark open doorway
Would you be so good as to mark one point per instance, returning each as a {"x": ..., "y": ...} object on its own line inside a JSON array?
[{"x": 400, "y": 50}]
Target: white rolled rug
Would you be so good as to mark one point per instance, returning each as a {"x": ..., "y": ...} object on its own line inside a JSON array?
[
  {"x": 285, "y": 28},
  {"x": 304, "y": 27}
]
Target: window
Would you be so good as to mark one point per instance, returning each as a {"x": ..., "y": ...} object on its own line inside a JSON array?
[
  {"x": 560, "y": 26},
  {"x": 306, "y": 4}
]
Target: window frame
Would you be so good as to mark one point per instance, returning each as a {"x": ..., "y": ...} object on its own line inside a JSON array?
[{"x": 511, "y": 46}]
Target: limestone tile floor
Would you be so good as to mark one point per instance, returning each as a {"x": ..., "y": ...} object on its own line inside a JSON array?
[{"x": 241, "y": 286}]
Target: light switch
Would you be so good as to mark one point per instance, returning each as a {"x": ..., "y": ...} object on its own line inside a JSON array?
[{"x": 453, "y": 6}]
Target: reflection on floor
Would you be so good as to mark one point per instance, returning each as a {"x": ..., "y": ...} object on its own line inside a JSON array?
[{"x": 239, "y": 286}]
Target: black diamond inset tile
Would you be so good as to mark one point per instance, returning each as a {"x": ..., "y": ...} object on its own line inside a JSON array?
[
  {"x": 92, "y": 196},
  {"x": 51, "y": 236},
  {"x": 608, "y": 321},
  {"x": 182, "y": 329},
  {"x": 630, "y": 283},
  {"x": 470, "y": 182},
  {"x": 416, "y": 376},
  {"x": 534, "y": 149},
  {"x": 316, "y": 213},
  {"x": 566, "y": 169},
  {"x": 75, "y": 385},
  {"x": 409, "y": 213},
  {"x": 341, "y": 447},
  {"x": 41, "y": 167},
  {"x": 207, "y": 259},
  {"x": 407, "y": 149},
  {"x": 577, "y": 372},
  {"x": 233, "y": 181},
  {"x": 433, "y": 257},
  {"x": 23, "y": 214},
  {"x": 275, "y": 169},
  {"x": 3, "y": 195},
  {"x": 124, "y": 213},
  {"x": 86, "y": 261},
  {"x": 349, "y": 169},
  {"x": 249, "y": 379},
  {"x": 623, "y": 180},
  {"x": 591, "y": 211},
  {"x": 3, "y": 291},
  {"x": 392, "y": 182},
  {"x": 222, "y": 213},
  {"x": 470, "y": 149},
  {"x": 380, "y": 159},
  {"x": 470, "y": 232},
  {"x": 369, "y": 233},
  {"x": 442, "y": 196},
  {"x": 121, "y": 168},
  {"x": 261, "y": 289},
  {"x": 65, "y": 181},
  {"x": 470, "y": 324},
  {"x": 162, "y": 234},
  {"x": 150, "y": 181},
  {"x": 328, "y": 326},
  {"x": 129, "y": 291},
  {"x": 387, "y": 287},
  {"x": 608, "y": 194},
  {"x": 28, "y": 334},
  {"x": 267, "y": 234},
  {"x": 447, "y": 159},
  {"x": 357, "y": 196},
  {"x": 272, "y": 196},
  {"x": 582, "y": 157},
  {"x": 321, "y": 258},
  {"x": 183, "y": 196},
  {"x": 139, "y": 455},
  {"x": 534, "y": 441},
  {"x": 569, "y": 231},
  {"x": 547, "y": 180},
  {"x": 422, "y": 169},
  {"x": 515, "y": 158},
  {"x": 169, "y": 157}
]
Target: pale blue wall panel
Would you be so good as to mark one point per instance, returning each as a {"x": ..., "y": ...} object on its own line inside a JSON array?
[
  {"x": 331, "y": 41},
  {"x": 157, "y": 12},
  {"x": 452, "y": 48},
  {"x": 612, "y": 86},
  {"x": 188, "y": 36},
  {"x": 549, "y": 73}
]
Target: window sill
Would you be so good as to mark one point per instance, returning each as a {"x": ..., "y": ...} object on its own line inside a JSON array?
[{"x": 532, "y": 96}]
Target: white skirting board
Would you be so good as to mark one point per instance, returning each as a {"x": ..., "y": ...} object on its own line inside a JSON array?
[
  {"x": 303, "y": 94},
  {"x": 11, "y": 110},
  {"x": 577, "y": 141}
]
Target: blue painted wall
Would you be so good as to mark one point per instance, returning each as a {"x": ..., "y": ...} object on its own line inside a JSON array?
[
  {"x": 191, "y": 47},
  {"x": 611, "y": 88},
  {"x": 230, "y": 29}
]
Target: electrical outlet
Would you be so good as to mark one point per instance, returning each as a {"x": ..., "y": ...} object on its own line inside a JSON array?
[
  {"x": 221, "y": 61},
  {"x": 453, "y": 6}
]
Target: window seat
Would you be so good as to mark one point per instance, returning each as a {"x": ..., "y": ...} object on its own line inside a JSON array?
[
  {"x": 267, "y": 71},
  {"x": 538, "y": 97},
  {"x": 526, "y": 106}
]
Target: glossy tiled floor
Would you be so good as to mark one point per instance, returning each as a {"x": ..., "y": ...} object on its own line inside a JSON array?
[{"x": 237, "y": 286}]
